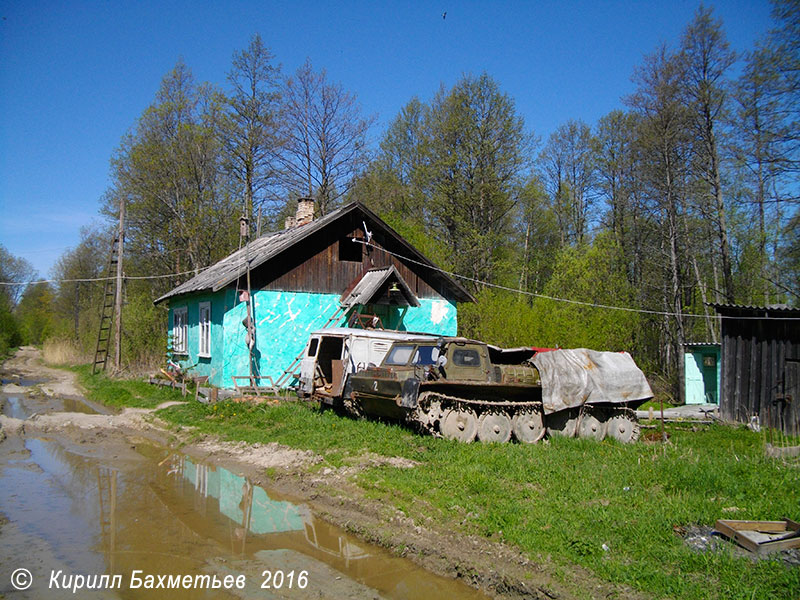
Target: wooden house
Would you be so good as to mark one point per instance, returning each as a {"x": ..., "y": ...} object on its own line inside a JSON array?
[
  {"x": 345, "y": 268},
  {"x": 760, "y": 370}
]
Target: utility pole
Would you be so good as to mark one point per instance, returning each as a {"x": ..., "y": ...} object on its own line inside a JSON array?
[{"x": 118, "y": 299}]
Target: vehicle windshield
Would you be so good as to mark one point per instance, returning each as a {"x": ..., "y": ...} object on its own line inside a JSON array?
[{"x": 399, "y": 355}]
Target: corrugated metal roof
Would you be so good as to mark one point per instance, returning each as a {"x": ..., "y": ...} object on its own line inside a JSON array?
[
  {"x": 268, "y": 246},
  {"x": 371, "y": 283},
  {"x": 773, "y": 308}
]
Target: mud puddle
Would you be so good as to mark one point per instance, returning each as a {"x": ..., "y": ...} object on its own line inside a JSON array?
[
  {"x": 158, "y": 512},
  {"x": 18, "y": 401}
]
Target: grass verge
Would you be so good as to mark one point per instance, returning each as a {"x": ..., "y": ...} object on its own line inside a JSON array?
[
  {"x": 609, "y": 507},
  {"x": 119, "y": 393}
]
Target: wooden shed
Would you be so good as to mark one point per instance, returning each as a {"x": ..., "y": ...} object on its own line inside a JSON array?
[{"x": 760, "y": 370}]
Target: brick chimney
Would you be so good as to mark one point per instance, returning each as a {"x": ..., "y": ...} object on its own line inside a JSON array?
[
  {"x": 289, "y": 223},
  {"x": 305, "y": 211}
]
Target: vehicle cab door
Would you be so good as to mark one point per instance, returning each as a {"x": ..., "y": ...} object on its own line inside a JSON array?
[
  {"x": 308, "y": 365},
  {"x": 467, "y": 362}
]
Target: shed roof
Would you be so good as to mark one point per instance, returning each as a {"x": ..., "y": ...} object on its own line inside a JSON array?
[
  {"x": 773, "y": 310},
  {"x": 266, "y": 247}
]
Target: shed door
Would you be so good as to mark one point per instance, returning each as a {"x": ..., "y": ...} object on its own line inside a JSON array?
[{"x": 693, "y": 373}]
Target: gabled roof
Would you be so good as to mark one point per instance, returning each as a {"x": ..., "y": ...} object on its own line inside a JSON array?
[
  {"x": 262, "y": 249},
  {"x": 370, "y": 287}
]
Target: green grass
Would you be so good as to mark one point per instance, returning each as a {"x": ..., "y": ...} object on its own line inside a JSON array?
[
  {"x": 563, "y": 499},
  {"x": 119, "y": 393},
  {"x": 656, "y": 405}
]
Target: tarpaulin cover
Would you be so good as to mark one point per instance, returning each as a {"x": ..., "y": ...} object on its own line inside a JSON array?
[{"x": 571, "y": 378}]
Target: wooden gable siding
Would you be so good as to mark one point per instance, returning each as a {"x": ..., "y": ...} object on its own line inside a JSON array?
[
  {"x": 314, "y": 266},
  {"x": 320, "y": 270}
]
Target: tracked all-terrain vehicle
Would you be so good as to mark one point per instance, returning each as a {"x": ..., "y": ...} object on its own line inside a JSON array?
[{"x": 463, "y": 389}]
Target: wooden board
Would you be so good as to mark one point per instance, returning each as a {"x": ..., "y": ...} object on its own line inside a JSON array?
[{"x": 762, "y": 537}]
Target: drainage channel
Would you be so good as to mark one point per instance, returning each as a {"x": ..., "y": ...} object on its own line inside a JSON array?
[{"x": 162, "y": 513}]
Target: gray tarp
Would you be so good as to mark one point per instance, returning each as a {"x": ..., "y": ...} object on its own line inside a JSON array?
[{"x": 571, "y": 378}]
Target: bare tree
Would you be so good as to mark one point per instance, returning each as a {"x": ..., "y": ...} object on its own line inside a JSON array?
[
  {"x": 567, "y": 164},
  {"x": 324, "y": 137},
  {"x": 706, "y": 58},
  {"x": 664, "y": 145},
  {"x": 14, "y": 270},
  {"x": 249, "y": 129}
]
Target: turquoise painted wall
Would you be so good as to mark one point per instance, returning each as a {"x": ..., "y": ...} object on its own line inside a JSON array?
[
  {"x": 198, "y": 366},
  {"x": 433, "y": 316},
  {"x": 284, "y": 321}
]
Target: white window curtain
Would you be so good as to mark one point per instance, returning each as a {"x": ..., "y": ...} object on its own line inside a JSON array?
[
  {"x": 179, "y": 330},
  {"x": 204, "y": 348}
]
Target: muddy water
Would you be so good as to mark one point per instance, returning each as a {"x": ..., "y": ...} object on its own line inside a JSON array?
[
  {"x": 18, "y": 401},
  {"x": 160, "y": 512}
]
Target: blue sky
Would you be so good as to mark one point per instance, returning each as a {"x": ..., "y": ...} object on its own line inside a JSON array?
[{"x": 75, "y": 76}]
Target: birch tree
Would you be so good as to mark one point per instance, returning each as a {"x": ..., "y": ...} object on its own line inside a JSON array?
[
  {"x": 324, "y": 138},
  {"x": 705, "y": 60},
  {"x": 249, "y": 127},
  {"x": 567, "y": 164}
]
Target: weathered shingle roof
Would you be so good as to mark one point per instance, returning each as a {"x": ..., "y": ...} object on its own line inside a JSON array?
[{"x": 262, "y": 249}]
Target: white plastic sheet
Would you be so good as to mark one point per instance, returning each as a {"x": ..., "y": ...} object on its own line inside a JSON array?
[{"x": 574, "y": 377}]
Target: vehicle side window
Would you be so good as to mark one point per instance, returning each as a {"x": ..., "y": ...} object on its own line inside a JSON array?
[
  {"x": 466, "y": 357},
  {"x": 399, "y": 355},
  {"x": 426, "y": 355},
  {"x": 312, "y": 347}
]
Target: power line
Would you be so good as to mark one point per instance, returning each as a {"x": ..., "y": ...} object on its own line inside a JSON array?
[
  {"x": 554, "y": 298},
  {"x": 95, "y": 279},
  {"x": 434, "y": 268}
]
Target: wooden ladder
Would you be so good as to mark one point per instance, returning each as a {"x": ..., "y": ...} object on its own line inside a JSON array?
[
  {"x": 290, "y": 372},
  {"x": 107, "y": 314}
]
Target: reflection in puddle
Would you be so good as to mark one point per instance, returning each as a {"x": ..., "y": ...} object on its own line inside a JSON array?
[
  {"x": 24, "y": 407},
  {"x": 165, "y": 513},
  {"x": 256, "y": 520}
]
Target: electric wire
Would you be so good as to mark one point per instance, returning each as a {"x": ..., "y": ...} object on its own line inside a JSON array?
[{"x": 434, "y": 268}]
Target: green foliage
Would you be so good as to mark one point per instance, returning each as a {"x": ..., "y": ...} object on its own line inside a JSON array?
[
  {"x": 588, "y": 274},
  {"x": 34, "y": 313},
  {"x": 592, "y": 275},
  {"x": 144, "y": 326},
  {"x": 9, "y": 328}
]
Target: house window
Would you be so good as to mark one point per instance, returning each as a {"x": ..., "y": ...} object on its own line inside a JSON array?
[
  {"x": 204, "y": 348},
  {"x": 349, "y": 250},
  {"x": 179, "y": 330}
]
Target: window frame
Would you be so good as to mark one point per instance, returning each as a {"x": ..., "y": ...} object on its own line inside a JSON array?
[
  {"x": 204, "y": 330},
  {"x": 180, "y": 330}
]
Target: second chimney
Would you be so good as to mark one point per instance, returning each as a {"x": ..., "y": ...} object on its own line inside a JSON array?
[{"x": 305, "y": 211}]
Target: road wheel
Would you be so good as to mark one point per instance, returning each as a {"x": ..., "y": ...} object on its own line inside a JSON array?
[
  {"x": 528, "y": 426},
  {"x": 591, "y": 427},
  {"x": 461, "y": 425},
  {"x": 494, "y": 427},
  {"x": 623, "y": 426}
]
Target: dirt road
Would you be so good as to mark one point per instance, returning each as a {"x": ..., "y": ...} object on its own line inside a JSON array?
[{"x": 54, "y": 411}]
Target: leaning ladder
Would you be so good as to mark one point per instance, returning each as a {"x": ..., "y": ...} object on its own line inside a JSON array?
[
  {"x": 107, "y": 314},
  {"x": 290, "y": 372}
]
